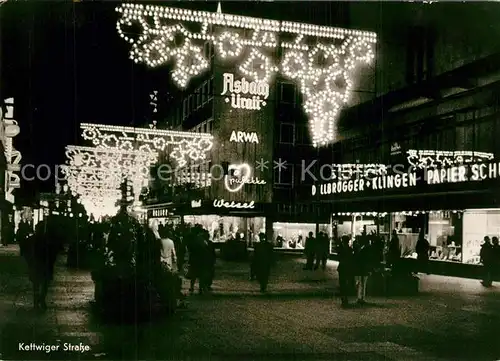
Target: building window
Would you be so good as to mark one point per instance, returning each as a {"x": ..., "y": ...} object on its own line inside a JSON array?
[
  {"x": 287, "y": 93},
  {"x": 210, "y": 126},
  {"x": 204, "y": 93},
  {"x": 185, "y": 108},
  {"x": 210, "y": 92},
  {"x": 286, "y": 133},
  {"x": 420, "y": 54},
  {"x": 205, "y": 127},
  {"x": 301, "y": 135},
  {"x": 284, "y": 175},
  {"x": 198, "y": 98}
]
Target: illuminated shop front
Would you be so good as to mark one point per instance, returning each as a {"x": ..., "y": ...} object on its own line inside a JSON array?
[
  {"x": 453, "y": 201},
  {"x": 289, "y": 235}
]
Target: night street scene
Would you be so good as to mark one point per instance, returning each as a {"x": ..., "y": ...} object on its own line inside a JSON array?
[{"x": 259, "y": 180}]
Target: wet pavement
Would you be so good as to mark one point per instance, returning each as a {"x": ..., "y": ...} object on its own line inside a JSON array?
[{"x": 451, "y": 319}]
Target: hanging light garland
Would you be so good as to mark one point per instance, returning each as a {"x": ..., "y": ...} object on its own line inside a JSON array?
[{"x": 324, "y": 72}]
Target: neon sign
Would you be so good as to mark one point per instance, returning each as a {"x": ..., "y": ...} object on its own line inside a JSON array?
[
  {"x": 257, "y": 92},
  {"x": 476, "y": 172},
  {"x": 221, "y": 203},
  {"x": 243, "y": 137},
  {"x": 240, "y": 174}
]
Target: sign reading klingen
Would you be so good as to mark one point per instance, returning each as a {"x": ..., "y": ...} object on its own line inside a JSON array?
[{"x": 463, "y": 173}]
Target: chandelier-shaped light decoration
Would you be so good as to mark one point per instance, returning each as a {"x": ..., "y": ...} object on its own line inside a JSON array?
[
  {"x": 322, "y": 60},
  {"x": 437, "y": 158},
  {"x": 95, "y": 174},
  {"x": 188, "y": 146}
]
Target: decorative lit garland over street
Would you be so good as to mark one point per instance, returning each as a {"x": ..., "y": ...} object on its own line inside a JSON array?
[
  {"x": 324, "y": 71},
  {"x": 437, "y": 158},
  {"x": 188, "y": 145}
]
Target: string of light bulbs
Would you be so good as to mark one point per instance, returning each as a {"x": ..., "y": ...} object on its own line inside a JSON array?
[{"x": 326, "y": 88}]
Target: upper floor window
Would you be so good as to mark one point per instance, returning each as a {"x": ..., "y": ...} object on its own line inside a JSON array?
[
  {"x": 209, "y": 87},
  {"x": 203, "y": 93},
  {"x": 287, "y": 93},
  {"x": 210, "y": 126},
  {"x": 284, "y": 175},
  {"x": 286, "y": 133},
  {"x": 420, "y": 54},
  {"x": 185, "y": 108}
]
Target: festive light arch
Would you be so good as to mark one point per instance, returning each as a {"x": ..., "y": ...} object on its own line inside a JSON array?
[
  {"x": 96, "y": 174},
  {"x": 323, "y": 69},
  {"x": 187, "y": 145}
]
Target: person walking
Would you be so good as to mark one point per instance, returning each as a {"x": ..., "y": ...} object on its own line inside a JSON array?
[
  {"x": 263, "y": 262},
  {"x": 422, "y": 249},
  {"x": 361, "y": 266},
  {"x": 486, "y": 255},
  {"x": 394, "y": 251},
  {"x": 197, "y": 259},
  {"x": 345, "y": 269},
  {"x": 208, "y": 271},
  {"x": 40, "y": 252},
  {"x": 322, "y": 250},
  {"x": 309, "y": 251}
]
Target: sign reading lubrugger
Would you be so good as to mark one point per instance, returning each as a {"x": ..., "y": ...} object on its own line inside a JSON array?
[{"x": 463, "y": 173}]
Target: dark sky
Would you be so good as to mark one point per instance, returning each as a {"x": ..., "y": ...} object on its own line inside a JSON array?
[{"x": 64, "y": 63}]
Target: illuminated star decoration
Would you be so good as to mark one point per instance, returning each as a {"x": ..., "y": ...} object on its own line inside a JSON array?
[
  {"x": 261, "y": 165},
  {"x": 324, "y": 71},
  {"x": 280, "y": 164}
]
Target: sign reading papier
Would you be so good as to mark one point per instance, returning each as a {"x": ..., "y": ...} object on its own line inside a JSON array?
[
  {"x": 462, "y": 173},
  {"x": 243, "y": 94}
]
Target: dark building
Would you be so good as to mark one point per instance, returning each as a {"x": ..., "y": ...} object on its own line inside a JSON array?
[{"x": 433, "y": 126}]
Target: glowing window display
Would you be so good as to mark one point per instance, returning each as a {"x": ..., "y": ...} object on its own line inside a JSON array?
[{"x": 326, "y": 85}]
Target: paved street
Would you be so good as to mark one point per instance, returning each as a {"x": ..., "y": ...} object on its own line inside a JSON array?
[{"x": 300, "y": 319}]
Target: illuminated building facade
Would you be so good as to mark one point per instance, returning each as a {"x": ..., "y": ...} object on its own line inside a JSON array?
[
  {"x": 432, "y": 130},
  {"x": 247, "y": 81}
]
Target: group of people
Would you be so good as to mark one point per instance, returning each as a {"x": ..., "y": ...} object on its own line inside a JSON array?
[
  {"x": 490, "y": 258},
  {"x": 316, "y": 250}
]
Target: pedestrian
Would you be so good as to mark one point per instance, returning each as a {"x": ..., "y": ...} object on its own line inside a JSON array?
[
  {"x": 394, "y": 251},
  {"x": 422, "y": 249},
  {"x": 322, "y": 250},
  {"x": 168, "y": 254},
  {"x": 362, "y": 266},
  {"x": 24, "y": 230},
  {"x": 197, "y": 254},
  {"x": 344, "y": 269},
  {"x": 486, "y": 255},
  {"x": 495, "y": 259},
  {"x": 309, "y": 251},
  {"x": 40, "y": 252},
  {"x": 209, "y": 260},
  {"x": 263, "y": 262}
]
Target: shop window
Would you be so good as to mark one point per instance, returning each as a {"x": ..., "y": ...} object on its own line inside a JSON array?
[
  {"x": 477, "y": 224},
  {"x": 287, "y": 93},
  {"x": 286, "y": 133}
]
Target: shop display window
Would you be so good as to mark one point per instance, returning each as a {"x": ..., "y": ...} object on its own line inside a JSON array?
[
  {"x": 293, "y": 235},
  {"x": 221, "y": 228},
  {"x": 478, "y": 223},
  {"x": 444, "y": 237}
]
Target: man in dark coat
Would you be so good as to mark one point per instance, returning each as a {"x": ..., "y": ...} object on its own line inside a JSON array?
[
  {"x": 422, "y": 249},
  {"x": 486, "y": 254},
  {"x": 362, "y": 265},
  {"x": 263, "y": 262},
  {"x": 322, "y": 250},
  {"x": 40, "y": 252},
  {"x": 345, "y": 269},
  {"x": 394, "y": 250},
  {"x": 309, "y": 251}
]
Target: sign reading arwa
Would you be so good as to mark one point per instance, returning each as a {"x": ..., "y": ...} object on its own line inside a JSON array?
[
  {"x": 243, "y": 137},
  {"x": 243, "y": 94}
]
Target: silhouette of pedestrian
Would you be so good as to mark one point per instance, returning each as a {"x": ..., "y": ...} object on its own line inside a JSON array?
[
  {"x": 309, "y": 251},
  {"x": 263, "y": 262},
  {"x": 345, "y": 269},
  {"x": 486, "y": 255},
  {"x": 40, "y": 252}
]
